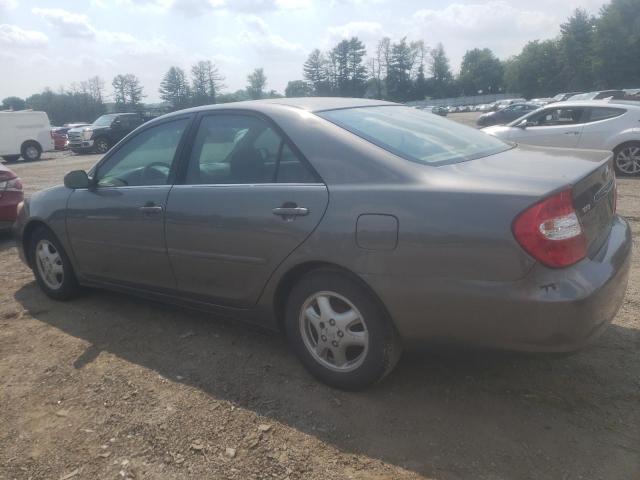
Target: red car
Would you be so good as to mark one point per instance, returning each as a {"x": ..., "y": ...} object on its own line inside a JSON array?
[{"x": 11, "y": 195}]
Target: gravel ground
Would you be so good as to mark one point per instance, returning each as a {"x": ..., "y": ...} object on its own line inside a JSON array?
[{"x": 114, "y": 387}]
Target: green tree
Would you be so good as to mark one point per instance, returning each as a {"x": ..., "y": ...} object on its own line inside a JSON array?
[
  {"x": 440, "y": 83},
  {"x": 576, "y": 50},
  {"x": 119, "y": 92},
  {"x": 537, "y": 70},
  {"x": 133, "y": 91},
  {"x": 13, "y": 103},
  {"x": 617, "y": 45},
  {"x": 298, "y": 88},
  {"x": 257, "y": 81},
  {"x": 206, "y": 83},
  {"x": 482, "y": 71},
  {"x": 174, "y": 88},
  {"x": 399, "y": 85},
  {"x": 316, "y": 73}
]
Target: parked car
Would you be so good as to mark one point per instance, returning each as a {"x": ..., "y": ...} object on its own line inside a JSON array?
[
  {"x": 357, "y": 226},
  {"x": 500, "y": 104},
  {"x": 541, "y": 101},
  {"x": 561, "y": 97},
  {"x": 593, "y": 125},
  {"x": 506, "y": 114},
  {"x": 102, "y": 134},
  {"x": 59, "y": 135},
  {"x": 24, "y": 134},
  {"x": 599, "y": 95},
  {"x": 442, "y": 111},
  {"x": 11, "y": 195}
]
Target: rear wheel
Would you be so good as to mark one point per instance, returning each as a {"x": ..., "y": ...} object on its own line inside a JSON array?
[
  {"x": 11, "y": 158},
  {"x": 51, "y": 266},
  {"x": 31, "y": 151},
  {"x": 340, "y": 331},
  {"x": 626, "y": 159}
]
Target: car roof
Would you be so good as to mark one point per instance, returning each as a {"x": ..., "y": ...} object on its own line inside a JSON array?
[
  {"x": 596, "y": 103},
  {"x": 310, "y": 104}
]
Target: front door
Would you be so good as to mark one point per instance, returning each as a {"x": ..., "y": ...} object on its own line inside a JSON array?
[
  {"x": 116, "y": 227},
  {"x": 247, "y": 200},
  {"x": 553, "y": 127}
]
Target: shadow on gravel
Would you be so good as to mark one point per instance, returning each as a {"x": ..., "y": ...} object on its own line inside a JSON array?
[
  {"x": 446, "y": 414},
  {"x": 6, "y": 240}
]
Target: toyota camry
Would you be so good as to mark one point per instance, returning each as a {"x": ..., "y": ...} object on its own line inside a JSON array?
[{"x": 356, "y": 227}]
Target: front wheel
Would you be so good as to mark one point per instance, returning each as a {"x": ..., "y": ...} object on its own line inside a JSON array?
[
  {"x": 51, "y": 266},
  {"x": 340, "y": 331},
  {"x": 102, "y": 145},
  {"x": 626, "y": 159}
]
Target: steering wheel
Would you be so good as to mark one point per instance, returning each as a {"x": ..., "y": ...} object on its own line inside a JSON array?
[{"x": 153, "y": 174}]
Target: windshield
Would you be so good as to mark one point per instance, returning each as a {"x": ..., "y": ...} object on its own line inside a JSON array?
[
  {"x": 104, "y": 120},
  {"x": 416, "y": 135}
]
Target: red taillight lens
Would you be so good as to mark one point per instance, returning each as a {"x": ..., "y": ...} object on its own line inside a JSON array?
[{"x": 550, "y": 231}]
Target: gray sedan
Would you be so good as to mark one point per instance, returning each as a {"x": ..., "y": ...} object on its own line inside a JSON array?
[{"x": 357, "y": 227}]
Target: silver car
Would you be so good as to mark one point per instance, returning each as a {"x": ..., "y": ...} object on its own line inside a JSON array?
[{"x": 357, "y": 227}]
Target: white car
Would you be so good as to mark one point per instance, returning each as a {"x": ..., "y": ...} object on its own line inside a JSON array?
[
  {"x": 24, "y": 133},
  {"x": 599, "y": 125}
]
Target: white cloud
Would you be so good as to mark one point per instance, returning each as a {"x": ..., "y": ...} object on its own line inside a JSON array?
[
  {"x": 8, "y": 4},
  {"x": 356, "y": 29},
  {"x": 12, "y": 36},
  {"x": 494, "y": 16},
  {"x": 257, "y": 34},
  {"x": 68, "y": 24}
]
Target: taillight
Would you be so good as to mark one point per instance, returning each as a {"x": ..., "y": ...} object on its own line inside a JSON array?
[
  {"x": 550, "y": 231},
  {"x": 13, "y": 185}
]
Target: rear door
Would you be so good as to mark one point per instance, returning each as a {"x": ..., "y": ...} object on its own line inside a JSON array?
[
  {"x": 553, "y": 127},
  {"x": 247, "y": 199}
]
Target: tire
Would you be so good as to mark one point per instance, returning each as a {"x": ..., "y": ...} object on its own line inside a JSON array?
[
  {"x": 31, "y": 151},
  {"x": 626, "y": 159},
  {"x": 101, "y": 145},
  {"x": 360, "y": 320},
  {"x": 11, "y": 158},
  {"x": 65, "y": 286}
]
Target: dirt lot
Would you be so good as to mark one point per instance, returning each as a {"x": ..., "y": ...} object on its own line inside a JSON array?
[{"x": 114, "y": 387}]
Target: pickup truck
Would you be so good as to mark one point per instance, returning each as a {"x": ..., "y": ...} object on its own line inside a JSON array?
[{"x": 102, "y": 134}]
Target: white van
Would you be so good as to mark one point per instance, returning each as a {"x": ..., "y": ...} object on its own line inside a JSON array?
[{"x": 24, "y": 133}]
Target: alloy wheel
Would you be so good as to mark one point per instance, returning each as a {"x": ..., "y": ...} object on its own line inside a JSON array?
[
  {"x": 628, "y": 160},
  {"x": 49, "y": 264},
  {"x": 334, "y": 331}
]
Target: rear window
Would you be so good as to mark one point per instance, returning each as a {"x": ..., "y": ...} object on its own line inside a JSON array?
[{"x": 416, "y": 135}]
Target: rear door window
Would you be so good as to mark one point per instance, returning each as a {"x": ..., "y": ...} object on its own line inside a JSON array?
[
  {"x": 604, "y": 113},
  {"x": 241, "y": 149},
  {"x": 557, "y": 117}
]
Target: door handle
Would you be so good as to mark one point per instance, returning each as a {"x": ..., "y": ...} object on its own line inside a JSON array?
[
  {"x": 150, "y": 209},
  {"x": 290, "y": 211},
  {"x": 571, "y": 133}
]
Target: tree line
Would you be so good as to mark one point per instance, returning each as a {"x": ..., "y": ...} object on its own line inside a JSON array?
[{"x": 591, "y": 52}]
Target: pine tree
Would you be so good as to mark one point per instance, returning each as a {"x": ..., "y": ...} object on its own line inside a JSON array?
[{"x": 174, "y": 88}]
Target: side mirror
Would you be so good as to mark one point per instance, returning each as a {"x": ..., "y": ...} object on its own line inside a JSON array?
[
  {"x": 523, "y": 124},
  {"x": 77, "y": 179},
  {"x": 116, "y": 123}
]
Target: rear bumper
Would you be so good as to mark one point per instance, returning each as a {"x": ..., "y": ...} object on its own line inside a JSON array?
[
  {"x": 9, "y": 207},
  {"x": 548, "y": 311}
]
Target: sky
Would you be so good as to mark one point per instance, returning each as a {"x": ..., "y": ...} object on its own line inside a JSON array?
[{"x": 53, "y": 43}]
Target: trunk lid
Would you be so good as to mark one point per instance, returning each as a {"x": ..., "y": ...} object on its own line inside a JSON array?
[
  {"x": 538, "y": 172},
  {"x": 594, "y": 198}
]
